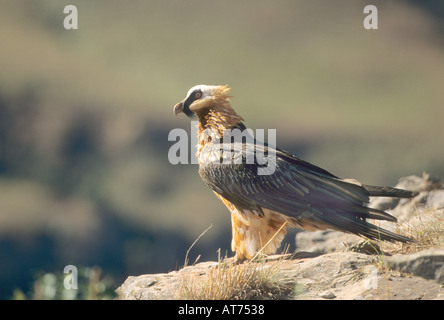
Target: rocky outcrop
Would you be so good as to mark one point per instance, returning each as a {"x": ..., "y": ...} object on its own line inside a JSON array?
[
  {"x": 338, "y": 275},
  {"x": 328, "y": 264},
  {"x": 428, "y": 264}
]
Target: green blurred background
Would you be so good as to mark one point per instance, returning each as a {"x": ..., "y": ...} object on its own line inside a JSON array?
[{"x": 85, "y": 116}]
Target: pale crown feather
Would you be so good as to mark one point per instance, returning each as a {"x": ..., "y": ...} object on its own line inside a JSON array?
[{"x": 206, "y": 90}]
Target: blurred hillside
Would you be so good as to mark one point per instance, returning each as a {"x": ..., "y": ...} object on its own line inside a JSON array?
[{"x": 85, "y": 115}]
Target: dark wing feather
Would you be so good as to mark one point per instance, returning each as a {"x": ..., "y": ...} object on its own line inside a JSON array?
[
  {"x": 295, "y": 184},
  {"x": 294, "y": 188}
]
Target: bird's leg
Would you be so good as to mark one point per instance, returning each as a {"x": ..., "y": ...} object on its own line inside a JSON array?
[{"x": 239, "y": 259}]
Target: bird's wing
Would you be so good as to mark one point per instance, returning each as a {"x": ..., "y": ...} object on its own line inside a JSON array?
[{"x": 295, "y": 186}]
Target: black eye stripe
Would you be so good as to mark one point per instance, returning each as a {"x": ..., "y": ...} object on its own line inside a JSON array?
[{"x": 195, "y": 95}]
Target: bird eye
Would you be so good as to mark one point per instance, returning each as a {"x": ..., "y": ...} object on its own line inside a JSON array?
[{"x": 198, "y": 95}]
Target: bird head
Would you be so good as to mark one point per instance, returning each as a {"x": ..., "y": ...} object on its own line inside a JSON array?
[{"x": 202, "y": 98}]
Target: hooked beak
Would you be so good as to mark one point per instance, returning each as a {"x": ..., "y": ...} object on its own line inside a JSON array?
[{"x": 178, "y": 108}]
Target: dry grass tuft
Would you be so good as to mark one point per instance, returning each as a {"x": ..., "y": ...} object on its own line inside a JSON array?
[
  {"x": 426, "y": 228},
  {"x": 256, "y": 279}
]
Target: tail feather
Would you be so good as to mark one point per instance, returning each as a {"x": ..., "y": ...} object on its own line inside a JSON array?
[
  {"x": 369, "y": 213},
  {"x": 352, "y": 218},
  {"x": 375, "y": 191},
  {"x": 352, "y": 224}
]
